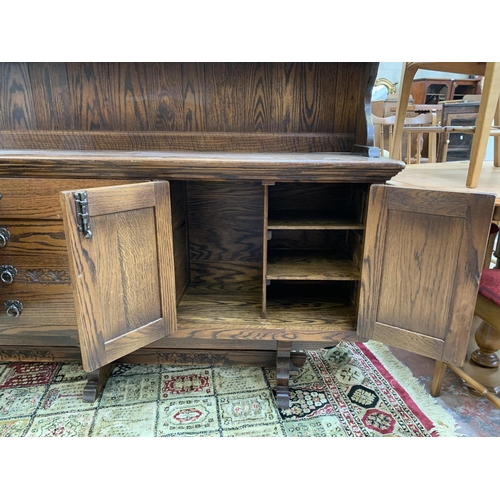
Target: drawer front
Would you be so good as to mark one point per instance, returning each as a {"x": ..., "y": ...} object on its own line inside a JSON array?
[
  {"x": 39, "y": 198},
  {"x": 35, "y": 253}
]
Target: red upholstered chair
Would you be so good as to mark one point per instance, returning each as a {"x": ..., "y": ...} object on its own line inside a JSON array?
[{"x": 487, "y": 337}]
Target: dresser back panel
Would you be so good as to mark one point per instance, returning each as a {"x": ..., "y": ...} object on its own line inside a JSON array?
[{"x": 184, "y": 106}]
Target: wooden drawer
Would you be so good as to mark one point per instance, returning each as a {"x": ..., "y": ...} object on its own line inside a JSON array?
[
  {"x": 47, "y": 305},
  {"x": 39, "y": 198},
  {"x": 37, "y": 250}
]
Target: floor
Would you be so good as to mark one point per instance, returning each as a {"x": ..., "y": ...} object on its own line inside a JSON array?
[{"x": 475, "y": 416}]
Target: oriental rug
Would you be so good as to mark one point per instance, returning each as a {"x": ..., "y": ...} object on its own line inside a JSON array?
[{"x": 349, "y": 390}]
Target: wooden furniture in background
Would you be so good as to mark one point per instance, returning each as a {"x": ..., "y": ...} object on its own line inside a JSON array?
[
  {"x": 269, "y": 169},
  {"x": 436, "y": 90},
  {"x": 481, "y": 372},
  {"x": 452, "y": 176},
  {"x": 489, "y": 103},
  {"x": 456, "y": 146},
  {"x": 410, "y": 148}
]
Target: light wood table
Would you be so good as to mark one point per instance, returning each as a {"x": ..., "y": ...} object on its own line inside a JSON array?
[{"x": 451, "y": 176}]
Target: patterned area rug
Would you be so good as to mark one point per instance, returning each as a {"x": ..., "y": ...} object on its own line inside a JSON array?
[{"x": 350, "y": 390}]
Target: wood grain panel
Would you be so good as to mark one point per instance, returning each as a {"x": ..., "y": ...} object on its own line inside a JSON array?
[
  {"x": 225, "y": 205},
  {"x": 224, "y": 90},
  {"x": 17, "y": 111},
  {"x": 165, "y": 97},
  {"x": 317, "y": 101},
  {"x": 421, "y": 271},
  {"x": 130, "y": 97},
  {"x": 225, "y": 272},
  {"x": 423, "y": 305},
  {"x": 51, "y": 96},
  {"x": 51, "y": 305},
  {"x": 30, "y": 238},
  {"x": 258, "y": 97},
  {"x": 142, "y": 289},
  {"x": 176, "y": 141},
  {"x": 25, "y": 198},
  {"x": 285, "y": 110},
  {"x": 91, "y": 96},
  {"x": 225, "y": 231},
  {"x": 194, "y": 97},
  {"x": 348, "y": 85}
]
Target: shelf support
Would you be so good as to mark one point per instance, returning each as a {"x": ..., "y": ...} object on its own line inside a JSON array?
[
  {"x": 96, "y": 381},
  {"x": 283, "y": 365}
]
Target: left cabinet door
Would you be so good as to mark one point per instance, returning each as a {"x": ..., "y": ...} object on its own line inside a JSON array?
[{"x": 121, "y": 266}]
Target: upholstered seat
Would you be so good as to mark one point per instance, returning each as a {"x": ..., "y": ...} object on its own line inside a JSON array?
[{"x": 489, "y": 286}]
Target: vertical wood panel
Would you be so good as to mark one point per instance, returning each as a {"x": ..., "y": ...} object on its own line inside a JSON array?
[
  {"x": 225, "y": 90},
  {"x": 193, "y": 88},
  {"x": 285, "y": 116},
  {"x": 347, "y": 86},
  {"x": 52, "y": 101},
  {"x": 90, "y": 92},
  {"x": 317, "y": 105},
  {"x": 258, "y": 97},
  {"x": 17, "y": 111},
  {"x": 128, "y": 83},
  {"x": 165, "y": 99}
]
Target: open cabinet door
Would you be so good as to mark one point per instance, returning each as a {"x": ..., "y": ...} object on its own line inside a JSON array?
[
  {"x": 422, "y": 263},
  {"x": 122, "y": 268}
]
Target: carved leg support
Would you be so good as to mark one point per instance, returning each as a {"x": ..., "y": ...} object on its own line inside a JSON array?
[
  {"x": 96, "y": 381},
  {"x": 283, "y": 363}
]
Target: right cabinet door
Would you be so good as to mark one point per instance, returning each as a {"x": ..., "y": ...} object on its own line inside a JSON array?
[{"x": 422, "y": 263}]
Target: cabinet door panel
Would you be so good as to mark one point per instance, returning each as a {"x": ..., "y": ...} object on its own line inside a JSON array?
[
  {"x": 123, "y": 275},
  {"x": 422, "y": 263}
]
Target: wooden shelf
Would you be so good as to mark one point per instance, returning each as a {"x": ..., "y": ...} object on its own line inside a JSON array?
[
  {"x": 309, "y": 220},
  {"x": 237, "y": 307},
  {"x": 310, "y": 265}
]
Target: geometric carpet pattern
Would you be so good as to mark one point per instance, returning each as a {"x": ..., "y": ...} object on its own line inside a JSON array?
[{"x": 350, "y": 390}]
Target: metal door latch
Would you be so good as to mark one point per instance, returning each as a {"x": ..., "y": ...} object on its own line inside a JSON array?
[{"x": 82, "y": 213}]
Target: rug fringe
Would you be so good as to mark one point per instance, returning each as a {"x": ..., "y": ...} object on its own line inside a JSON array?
[{"x": 444, "y": 424}]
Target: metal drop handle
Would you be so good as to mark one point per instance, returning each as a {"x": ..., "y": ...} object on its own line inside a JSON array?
[
  {"x": 7, "y": 274},
  {"x": 4, "y": 236},
  {"x": 13, "y": 308}
]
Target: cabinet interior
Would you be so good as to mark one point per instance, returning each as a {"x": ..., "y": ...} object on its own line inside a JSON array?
[{"x": 258, "y": 256}]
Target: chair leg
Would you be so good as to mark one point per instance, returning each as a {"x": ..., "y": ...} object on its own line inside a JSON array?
[
  {"x": 437, "y": 378},
  {"x": 404, "y": 94},
  {"x": 489, "y": 102},
  {"x": 496, "y": 140}
]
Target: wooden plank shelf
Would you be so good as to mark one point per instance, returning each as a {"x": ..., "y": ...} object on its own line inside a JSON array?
[
  {"x": 310, "y": 265},
  {"x": 312, "y": 220}
]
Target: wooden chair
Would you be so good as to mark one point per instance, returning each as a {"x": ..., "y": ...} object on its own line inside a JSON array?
[
  {"x": 487, "y": 337},
  {"x": 489, "y": 103},
  {"x": 414, "y": 130}
]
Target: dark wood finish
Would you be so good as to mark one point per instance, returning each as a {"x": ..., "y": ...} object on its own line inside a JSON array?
[
  {"x": 25, "y": 198},
  {"x": 120, "y": 265},
  {"x": 96, "y": 380},
  {"x": 283, "y": 362},
  {"x": 251, "y": 151},
  {"x": 196, "y": 97},
  {"x": 310, "y": 265},
  {"x": 436, "y": 90},
  {"x": 425, "y": 248},
  {"x": 287, "y": 167}
]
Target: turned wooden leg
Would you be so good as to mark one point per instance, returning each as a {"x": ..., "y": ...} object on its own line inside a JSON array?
[
  {"x": 283, "y": 362},
  {"x": 96, "y": 381},
  {"x": 488, "y": 341},
  {"x": 437, "y": 378}
]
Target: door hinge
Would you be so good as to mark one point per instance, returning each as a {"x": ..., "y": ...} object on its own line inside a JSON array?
[{"x": 82, "y": 213}]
